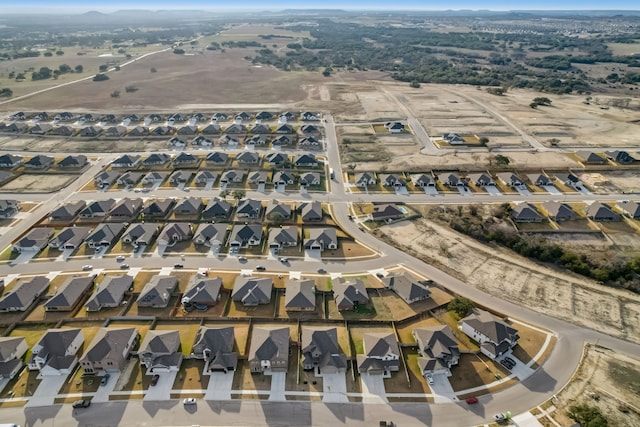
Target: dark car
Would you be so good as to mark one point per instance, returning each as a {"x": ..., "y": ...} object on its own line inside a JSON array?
[
  {"x": 322, "y": 271},
  {"x": 178, "y": 266},
  {"x": 506, "y": 364},
  {"x": 510, "y": 360},
  {"x": 81, "y": 403},
  {"x": 124, "y": 266},
  {"x": 104, "y": 379},
  {"x": 261, "y": 268},
  {"x": 154, "y": 379}
]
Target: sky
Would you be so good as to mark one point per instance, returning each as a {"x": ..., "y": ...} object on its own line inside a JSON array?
[{"x": 81, "y": 6}]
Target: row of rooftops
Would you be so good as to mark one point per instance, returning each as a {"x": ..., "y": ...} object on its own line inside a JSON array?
[
  {"x": 215, "y": 158},
  {"x": 68, "y": 116},
  {"x": 559, "y": 211},
  {"x": 42, "y": 162}
]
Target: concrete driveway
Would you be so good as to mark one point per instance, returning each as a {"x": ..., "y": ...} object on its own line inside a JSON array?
[
  {"x": 103, "y": 392},
  {"x": 277, "y": 386},
  {"x": 334, "y": 388},
  {"x": 219, "y": 387},
  {"x": 522, "y": 190},
  {"x": 162, "y": 390},
  {"x": 431, "y": 191},
  {"x": 520, "y": 370},
  {"x": 493, "y": 190},
  {"x": 442, "y": 390},
  {"x": 551, "y": 189},
  {"x": 47, "y": 391},
  {"x": 373, "y": 389}
]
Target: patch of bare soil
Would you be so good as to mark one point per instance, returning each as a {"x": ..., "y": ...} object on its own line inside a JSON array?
[
  {"x": 606, "y": 380},
  {"x": 503, "y": 273}
]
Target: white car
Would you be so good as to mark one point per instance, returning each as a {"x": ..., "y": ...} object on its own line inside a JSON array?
[
  {"x": 430, "y": 379},
  {"x": 189, "y": 401},
  {"x": 87, "y": 267}
]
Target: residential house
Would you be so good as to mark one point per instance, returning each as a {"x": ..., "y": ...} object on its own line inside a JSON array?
[
  {"x": 109, "y": 350},
  {"x": 73, "y": 162},
  {"x": 309, "y": 116},
  {"x": 243, "y": 236},
  {"x": 559, "y": 212},
  {"x": 264, "y": 115},
  {"x": 212, "y": 235},
  {"x": 309, "y": 142},
  {"x": 10, "y": 161},
  {"x": 140, "y": 234},
  {"x": 255, "y": 140},
  {"x": 40, "y": 128},
  {"x": 590, "y": 158},
  {"x": 158, "y": 208},
  {"x": 217, "y": 209},
  {"x": 387, "y": 212},
  {"x": 185, "y": 159},
  {"x": 39, "y": 162},
  {"x": 217, "y": 158},
  {"x": 219, "y": 117},
  {"x": 97, "y": 209},
  {"x": 381, "y": 354},
  {"x": 67, "y": 212},
  {"x": 525, "y": 212},
  {"x": 204, "y": 177},
  {"x": 157, "y": 292},
  {"x": 92, "y": 131},
  {"x": 130, "y": 179},
  {"x": 631, "y": 209},
  {"x": 12, "y": 350},
  {"x": 365, "y": 179},
  {"x": 407, "y": 288},
  {"x": 139, "y": 131},
  {"x": 276, "y": 158},
  {"x": 300, "y": 295},
  {"x": 24, "y": 294},
  {"x": 309, "y": 130},
  {"x": 110, "y": 292},
  {"x": 180, "y": 176},
  {"x": 283, "y": 178},
  {"x": 55, "y": 354},
  {"x": 286, "y": 116},
  {"x": 16, "y": 127},
  {"x": 189, "y": 206},
  {"x": 175, "y": 232},
  {"x": 70, "y": 294},
  {"x": 251, "y": 291},
  {"x": 321, "y": 351},
  {"x": 510, "y": 179},
  {"x": 259, "y": 129},
  {"x": 452, "y": 179},
  {"x": 481, "y": 179},
  {"x": 269, "y": 349},
  {"x": 34, "y": 241},
  {"x": 281, "y": 140},
  {"x": 106, "y": 179},
  {"x": 127, "y": 161},
  {"x": 278, "y": 211},
  {"x": 242, "y": 116},
  {"x": 215, "y": 345},
  {"x": 283, "y": 237},
  {"x": 438, "y": 349},
  {"x": 321, "y": 239},
  {"x": 212, "y": 129},
  {"x": 63, "y": 130},
  {"x": 249, "y": 208},
  {"x": 126, "y": 208},
  {"x": 305, "y": 160},
  {"x": 602, "y": 213},
  {"x": 257, "y": 177},
  {"x": 109, "y": 118},
  {"x": 65, "y": 117},
  {"x": 453, "y": 138},
  {"x": 248, "y": 158},
  {"x": 422, "y": 180},
  {"x": 394, "y": 127},
  {"x": 202, "y": 141},
  {"x": 393, "y": 180},
  {"x": 351, "y": 294},
  {"x": 539, "y": 179},
  {"x": 69, "y": 238},
  {"x": 160, "y": 351},
  {"x": 284, "y": 128},
  {"x": 156, "y": 159},
  {"x": 104, "y": 235},
  {"x": 201, "y": 293},
  {"x": 232, "y": 176},
  {"x": 153, "y": 118},
  {"x": 177, "y": 117},
  {"x": 5, "y": 176},
  {"x": 9, "y": 208},
  {"x": 494, "y": 336},
  {"x": 154, "y": 178},
  {"x": 163, "y": 131},
  {"x": 311, "y": 211},
  {"x": 197, "y": 118},
  {"x": 235, "y": 129},
  {"x": 619, "y": 156},
  {"x": 177, "y": 143},
  {"x": 570, "y": 180},
  {"x": 188, "y": 130},
  {"x": 308, "y": 179}
]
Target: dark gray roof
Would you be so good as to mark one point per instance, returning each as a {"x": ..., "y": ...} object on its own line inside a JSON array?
[
  {"x": 70, "y": 236},
  {"x": 202, "y": 291},
  {"x": 269, "y": 343},
  {"x": 23, "y": 294},
  {"x": 559, "y": 210},
  {"x": 250, "y": 207},
  {"x": 347, "y": 293},
  {"x": 600, "y": 210},
  {"x": 311, "y": 211},
  {"x": 106, "y": 232},
  {"x": 216, "y": 345},
  {"x": 108, "y": 341},
  {"x": 8, "y": 346},
  {"x": 492, "y": 328},
  {"x": 55, "y": 342},
  {"x": 158, "y": 207},
  {"x": 300, "y": 294},
  {"x": 244, "y": 233},
  {"x": 323, "y": 236},
  {"x": 436, "y": 342},
  {"x": 160, "y": 341},
  {"x": 217, "y": 208},
  {"x": 110, "y": 292},
  {"x": 70, "y": 292},
  {"x": 157, "y": 292},
  {"x": 36, "y": 238},
  {"x": 207, "y": 232},
  {"x": 282, "y": 209},
  {"x": 286, "y": 235},
  {"x": 320, "y": 345},
  {"x": 407, "y": 287},
  {"x": 525, "y": 212},
  {"x": 252, "y": 290},
  {"x": 68, "y": 210}
]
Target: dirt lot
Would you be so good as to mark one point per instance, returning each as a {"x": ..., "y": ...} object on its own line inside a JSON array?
[
  {"x": 606, "y": 380},
  {"x": 501, "y": 272},
  {"x": 39, "y": 183}
]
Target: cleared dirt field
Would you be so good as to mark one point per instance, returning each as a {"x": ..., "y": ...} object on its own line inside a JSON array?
[
  {"x": 505, "y": 274},
  {"x": 606, "y": 380},
  {"x": 39, "y": 183}
]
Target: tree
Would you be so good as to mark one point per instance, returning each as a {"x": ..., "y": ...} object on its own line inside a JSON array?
[
  {"x": 79, "y": 69},
  {"x": 48, "y": 54},
  {"x": 554, "y": 142},
  {"x": 414, "y": 84},
  {"x": 64, "y": 68},
  {"x": 6, "y": 93},
  {"x": 484, "y": 141},
  {"x": 115, "y": 94},
  {"x": 100, "y": 77},
  {"x": 498, "y": 91},
  {"x": 533, "y": 105},
  {"x": 460, "y": 305},
  {"x": 179, "y": 51},
  {"x": 103, "y": 67},
  {"x": 239, "y": 194},
  {"x": 59, "y": 52},
  {"x": 502, "y": 160},
  {"x": 327, "y": 71},
  {"x": 542, "y": 100},
  {"x": 587, "y": 416},
  {"x": 154, "y": 70},
  {"x": 130, "y": 89},
  {"x": 42, "y": 74}
]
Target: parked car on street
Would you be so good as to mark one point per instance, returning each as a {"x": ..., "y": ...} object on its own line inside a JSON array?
[
  {"x": 87, "y": 267},
  {"x": 189, "y": 401},
  {"x": 81, "y": 403}
]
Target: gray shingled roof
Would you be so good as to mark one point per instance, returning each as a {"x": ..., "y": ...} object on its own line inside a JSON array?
[
  {"x": 110, "y": 292},
  {"x": 69, "y": 293},
  {"x": 252, "y": 290},
  {"x": 494, "y": 329},
  {"x": 348, "y": 293},
  {"x": 320, "y": 346},
  {"x": 160, "y": 341},
  {"x": 407, "y": 287},
  {"x": 300, "y": 294},
  {"x": 202, "y": 291},
  {"x": 157, "y": 292},
  {"x": 23, "y": 294},
  {"x": 269, "y": 343},
  {"x": 107, "y": 341}
]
